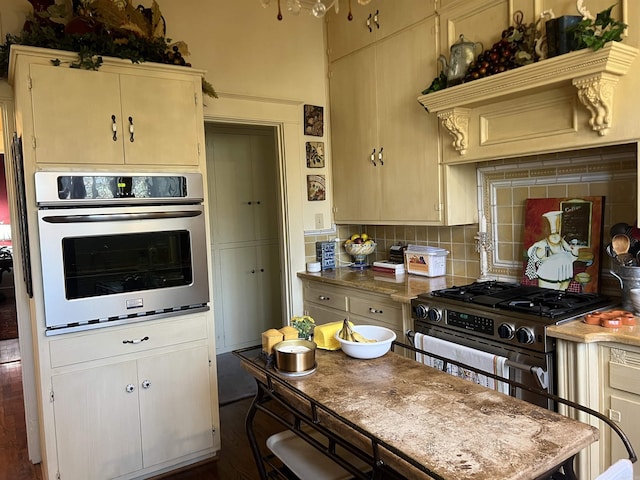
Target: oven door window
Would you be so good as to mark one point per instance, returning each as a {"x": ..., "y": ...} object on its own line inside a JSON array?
[{"x": 112, "y": 264}]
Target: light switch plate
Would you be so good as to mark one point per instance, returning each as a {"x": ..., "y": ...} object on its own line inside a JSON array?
[{"x": 319, "y": 221}]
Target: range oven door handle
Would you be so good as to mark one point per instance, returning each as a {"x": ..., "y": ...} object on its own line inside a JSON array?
[
  {"x": 118, "y": 217},
  {"x": 540, "y": 374}
]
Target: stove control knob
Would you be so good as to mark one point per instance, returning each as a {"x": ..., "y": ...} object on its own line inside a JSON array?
[
  {"x": 506, "y": 330},
  {"x": 435, "y": 315},
  {"x": 420, "y": 311},
  {"x": 525, "y": 335}
]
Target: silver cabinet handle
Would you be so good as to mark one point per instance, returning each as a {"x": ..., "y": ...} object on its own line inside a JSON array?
[
  {"x": 136, "y": 340},
  {"x": 380, "y": 158},
  {"x": 373, "y": 310},
  {"x": 322, "y": 297},
  {"x": 131, "y": 139},
  {"x": 130, "y": 388},
  {"x": 114, "y": 128},
  {"x": 375, "y": 18},
  {"x": 373, "y": 157},
  {"x": 146, "y": 384}
]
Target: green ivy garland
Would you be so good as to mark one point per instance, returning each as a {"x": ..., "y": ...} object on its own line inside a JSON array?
[{"x": 92, "y": 46}]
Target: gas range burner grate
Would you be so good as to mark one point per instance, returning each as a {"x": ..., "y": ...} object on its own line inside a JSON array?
[
  {"x": 529, "y": 299},
  {"x": 467, "y": 293},
  {"x": 554, "y": 303}
]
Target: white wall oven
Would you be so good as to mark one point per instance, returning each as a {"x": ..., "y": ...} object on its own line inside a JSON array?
[{"x": 118, "y": 248}]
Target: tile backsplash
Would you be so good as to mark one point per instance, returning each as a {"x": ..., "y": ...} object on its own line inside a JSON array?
[{"x": 504, "y": 185}]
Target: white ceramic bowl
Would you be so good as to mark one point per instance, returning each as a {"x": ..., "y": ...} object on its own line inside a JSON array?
[{"x": 368, "y": 350}]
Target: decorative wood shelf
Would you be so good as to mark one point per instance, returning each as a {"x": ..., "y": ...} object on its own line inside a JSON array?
[{"x": 594, "y": 74}]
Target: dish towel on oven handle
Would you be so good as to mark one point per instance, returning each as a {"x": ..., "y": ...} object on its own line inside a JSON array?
[{"x": 484, "y": 361}]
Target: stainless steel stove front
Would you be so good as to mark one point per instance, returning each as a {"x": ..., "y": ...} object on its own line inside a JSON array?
[{"x": 521, "y": 340}]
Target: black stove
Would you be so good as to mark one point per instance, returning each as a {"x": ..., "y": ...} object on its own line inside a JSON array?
[{"x": 532, "y": 300}]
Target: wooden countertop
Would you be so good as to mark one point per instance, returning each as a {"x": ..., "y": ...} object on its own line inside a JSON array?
[
  {"x": 401, "y": 288},
  {"x": 580, "y": 332},
  {"x": 453, "y": 428}
]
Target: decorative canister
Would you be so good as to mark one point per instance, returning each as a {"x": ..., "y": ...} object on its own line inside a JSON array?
[{"x": 295, "y": 356}]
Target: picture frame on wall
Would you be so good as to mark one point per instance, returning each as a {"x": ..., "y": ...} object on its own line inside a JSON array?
[
  {"x": 562, "y": 243},
  {"x": 313, "y": 120},
  {"x": 316, "y": 188},
  {"x": 315, "y": 154}
]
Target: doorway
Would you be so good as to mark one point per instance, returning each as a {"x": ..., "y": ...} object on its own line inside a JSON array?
[{"x": 246, "y": 232}]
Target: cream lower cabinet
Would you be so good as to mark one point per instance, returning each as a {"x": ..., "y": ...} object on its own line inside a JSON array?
[
  {"x": 325, "y": 303},
  {"x": 622, "y": 397},
  {"x": 604, "y": 377},
  {"x": 328, "y": 303},
  {"x": 128, "y": 416}
]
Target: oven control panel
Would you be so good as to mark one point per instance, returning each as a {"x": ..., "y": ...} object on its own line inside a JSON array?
[{"x": 468, "y": 321}]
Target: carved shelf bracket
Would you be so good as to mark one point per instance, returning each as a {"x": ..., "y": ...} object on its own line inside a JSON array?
[
  {"x": 596, "y": 93},
  {"x": 456, "y": 121}
]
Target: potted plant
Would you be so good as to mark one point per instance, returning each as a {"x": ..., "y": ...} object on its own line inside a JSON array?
[{"x": 595, "y": 32}]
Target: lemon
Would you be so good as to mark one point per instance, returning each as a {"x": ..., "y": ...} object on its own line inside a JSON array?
[
  {"x": 364, "y": 236},
  {"x": 355, "y": 236}
]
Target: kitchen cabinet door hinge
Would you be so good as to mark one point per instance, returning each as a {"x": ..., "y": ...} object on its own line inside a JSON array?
[
  {"x": 199, "y": 152},
  {"x": 33, "y": 142},
  {"x": 195, "y": 99},
  {"x": 29, "y": 83},
  {"x": 51, "y": 399},
  {"x": 58, "y": 476},
  {"x": 438, "y": 207}
]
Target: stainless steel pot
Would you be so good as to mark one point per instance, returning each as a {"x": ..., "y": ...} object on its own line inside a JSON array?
[
  {"x": 629, "y": 278},
  {"x": 295, "y": 356}
]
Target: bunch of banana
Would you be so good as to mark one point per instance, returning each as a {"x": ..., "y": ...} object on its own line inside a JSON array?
[{"x": 347, "y": 333}]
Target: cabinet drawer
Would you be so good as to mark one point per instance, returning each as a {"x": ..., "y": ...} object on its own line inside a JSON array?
[
  {"x": 384, "y": 311},
  {"x": 624, "y": 377},
  {"x": 323, "y": 315},
  {"x": 326, "y": 296},
  {"x": 110, "y": 342}
]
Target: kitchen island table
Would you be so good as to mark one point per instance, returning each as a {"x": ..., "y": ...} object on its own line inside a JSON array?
[{"x": 407, "y": 420}]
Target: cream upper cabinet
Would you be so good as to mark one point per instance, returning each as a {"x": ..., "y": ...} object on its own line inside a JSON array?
[
  {"x": 385, "y": 146},
  {"x": 121, "y": 114},
  {"x": 370, "y": 23}
]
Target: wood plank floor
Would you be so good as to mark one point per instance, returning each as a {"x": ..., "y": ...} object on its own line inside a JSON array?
[{"x": 234, "y": 462}]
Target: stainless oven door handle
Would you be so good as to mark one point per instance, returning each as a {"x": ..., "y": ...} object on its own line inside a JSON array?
[
  {"x": 117, "y": 217},
  {"x": 540, "y": 374}
]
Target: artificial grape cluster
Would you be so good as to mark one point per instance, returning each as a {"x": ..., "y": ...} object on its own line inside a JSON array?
[
  {"x": 514, "y": 49},
  {"x": 174, "y": 57}
]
